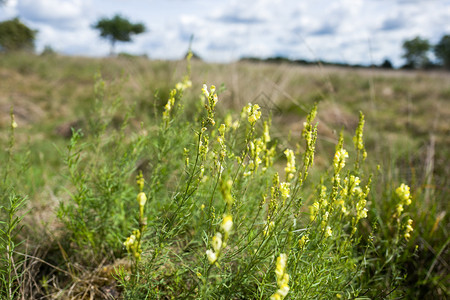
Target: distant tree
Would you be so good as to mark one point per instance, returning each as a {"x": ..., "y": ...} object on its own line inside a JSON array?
[
  {"x": 14, "y": 35},
  {"x": 386, "y": 64},
  {"x": 416, "y": 52},
  {"x": 48, "y": 51},
  {"x": 118, "y": 29},
  {"x": 442, "y": 51}
]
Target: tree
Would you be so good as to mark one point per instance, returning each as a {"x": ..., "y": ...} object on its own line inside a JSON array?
[
  {"x": 14, "y": 35},
  {"x": 118, "y": 29},
  {"x": 442, "y": 51},
  {"x": 416, "y": 52},
  {"x": 386, "y": 64}
]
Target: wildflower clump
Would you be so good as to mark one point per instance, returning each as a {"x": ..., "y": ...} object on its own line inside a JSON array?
[{"x": 282, "y": 278}]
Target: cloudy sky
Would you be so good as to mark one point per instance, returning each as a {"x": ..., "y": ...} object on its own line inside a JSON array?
[{"x": 348, "y": 31}]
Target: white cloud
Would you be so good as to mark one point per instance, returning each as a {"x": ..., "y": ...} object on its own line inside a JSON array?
[{"x": 68, "y": 14}]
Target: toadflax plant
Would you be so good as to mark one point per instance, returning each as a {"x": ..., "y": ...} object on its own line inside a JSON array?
[{"x": 224, "y": 210}]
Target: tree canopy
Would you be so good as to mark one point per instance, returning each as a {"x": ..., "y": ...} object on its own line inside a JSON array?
[
  {"x": 14, "y": 35},
  {"x": 416, "y": 52},
  {"x": 118, "y": 29},
  {"x": 442, "y": 51}
]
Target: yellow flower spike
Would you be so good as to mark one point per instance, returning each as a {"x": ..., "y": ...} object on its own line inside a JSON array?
[
  {"x": 285, "y": 190},
  {"x": 266, "y": 135},
  {"x": 290, "y": 165},
  {"x": 358, "y": 138},
  {"x": 282, "y": 278},
  {"x": 339, "y": 159},
  {"x": 281, "y": 264},
  {"x": 408, "y": 229}
]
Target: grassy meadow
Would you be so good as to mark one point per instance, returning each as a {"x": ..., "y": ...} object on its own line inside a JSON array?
[{"x": 128, "y": 178}]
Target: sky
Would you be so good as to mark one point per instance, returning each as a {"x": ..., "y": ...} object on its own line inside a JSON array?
[{"x": 345, "y": 31}]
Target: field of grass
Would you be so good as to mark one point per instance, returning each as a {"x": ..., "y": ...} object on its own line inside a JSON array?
[{"x": 87, "y": 128}]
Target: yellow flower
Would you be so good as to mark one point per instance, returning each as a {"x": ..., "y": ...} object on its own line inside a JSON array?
[
  {"x": 281, "y": 265},
  {"x": 141, "y": 198},
  {"x": 339, "y": 159},
  {"x": 266, "y": 135},
  {"x": 290, "y": 165},
  {"x": 268, "y": 227},
  {"x": 399, "y": 209},
  {"x": 328, "y": 231},
  {"x": 211, "y": 255},
  {"x": 227, "y": 224},
  {"x": 130, "y": 241},
  {"x": 313, "y": 210},
  {"x": 283, "y": 291},
  {"x": 275, "y": 296},
  {"x": 303, "y": 241},
  {"x": 205, "y": 90},
  {"x": 404, "y": 194},
  {"x": 217, "y": 242},
  {"x": 253, "y": 113},
  {"x": 285, "y": 190},
  {"x": 361, "y": 211}
]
